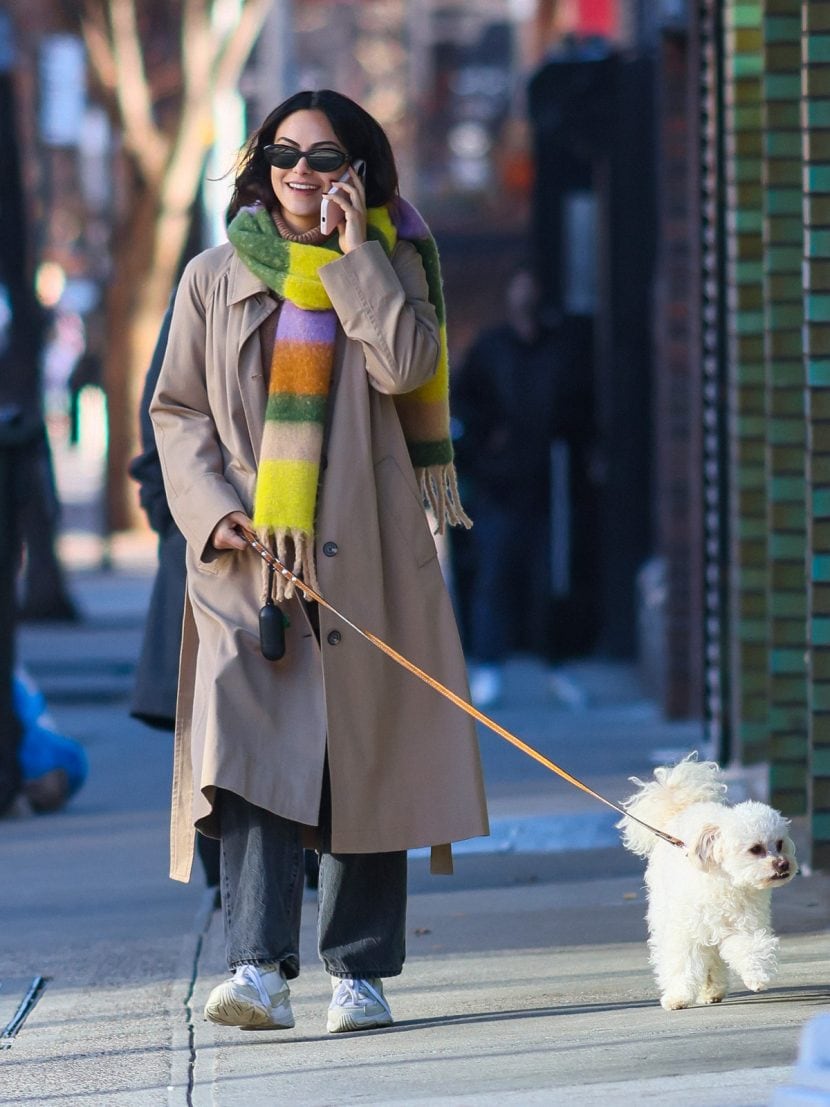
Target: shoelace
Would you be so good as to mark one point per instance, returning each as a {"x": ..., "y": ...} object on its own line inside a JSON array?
[
  {"x": 249, "y": 974},
  {"x": 355, "y": 992}
]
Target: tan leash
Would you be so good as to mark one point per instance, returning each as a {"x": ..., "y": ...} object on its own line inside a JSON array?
[{"x": 311, "y": 594}]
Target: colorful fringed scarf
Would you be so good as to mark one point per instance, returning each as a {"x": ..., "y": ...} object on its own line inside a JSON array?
[{"x": 301, "y": 366}]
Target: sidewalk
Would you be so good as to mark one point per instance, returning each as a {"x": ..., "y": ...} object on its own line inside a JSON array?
[{"x": 526, "y": 981}]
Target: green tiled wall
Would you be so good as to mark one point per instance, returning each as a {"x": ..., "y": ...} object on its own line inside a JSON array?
[
  {"x": 815, "y": 55},
  {"x": 717, "y": 696},
  {"x": 746, "y": 368},
  {"x": 786, "y": 430}
]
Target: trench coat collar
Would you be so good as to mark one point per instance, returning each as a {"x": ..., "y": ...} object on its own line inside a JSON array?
[
  {"x": 241, "y": 282},
  {"x": 248, "y": 290}
]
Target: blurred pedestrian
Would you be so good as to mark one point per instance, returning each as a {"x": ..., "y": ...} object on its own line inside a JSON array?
[
  {"x": 156, "y": 678},
  {"x": 305, "y": 384},
  {"x": 515, "y": 395}
]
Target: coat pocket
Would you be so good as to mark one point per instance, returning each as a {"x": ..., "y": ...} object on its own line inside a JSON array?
[{"x": 398, "y": 499}]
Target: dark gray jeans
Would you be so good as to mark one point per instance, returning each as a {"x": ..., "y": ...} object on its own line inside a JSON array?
[{"x": 361, "y": 913}]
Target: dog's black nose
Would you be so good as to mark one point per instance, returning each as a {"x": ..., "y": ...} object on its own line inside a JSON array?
[{"x": 781, "y": 865}]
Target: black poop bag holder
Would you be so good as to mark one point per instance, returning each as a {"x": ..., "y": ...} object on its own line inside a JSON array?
[{"x": 272, "y": 624}]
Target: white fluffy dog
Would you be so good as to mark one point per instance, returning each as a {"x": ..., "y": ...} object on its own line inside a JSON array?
[{"x": 708, "y": 905}]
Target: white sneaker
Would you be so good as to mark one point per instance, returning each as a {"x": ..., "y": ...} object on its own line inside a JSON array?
[
  {"x": 357, "y": 1004},
  {"x": 486, "y": 685},
  {"x": 253, "y": 999}
]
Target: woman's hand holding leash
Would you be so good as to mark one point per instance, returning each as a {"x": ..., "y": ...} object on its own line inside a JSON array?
[{"x": 226, "y": 536}]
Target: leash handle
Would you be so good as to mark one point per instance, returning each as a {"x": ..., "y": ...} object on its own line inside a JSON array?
[{"x": 311, "y": 594}]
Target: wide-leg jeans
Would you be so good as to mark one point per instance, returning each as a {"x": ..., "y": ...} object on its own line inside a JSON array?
[{"x": 361, "y": 917}]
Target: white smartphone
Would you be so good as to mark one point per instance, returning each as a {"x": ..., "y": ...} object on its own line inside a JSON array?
[{"x": 332, "y": 215}]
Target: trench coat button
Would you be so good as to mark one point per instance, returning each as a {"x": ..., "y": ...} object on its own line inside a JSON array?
[
  {"x": 334, "y": 637},
  {"x": 330, "y": 549}
]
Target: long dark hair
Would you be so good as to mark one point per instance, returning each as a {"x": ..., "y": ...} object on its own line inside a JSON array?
[{"x": 361, "y": 135}]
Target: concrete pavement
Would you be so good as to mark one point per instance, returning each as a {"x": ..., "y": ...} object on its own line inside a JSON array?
[{"x": 526, "y": 980}]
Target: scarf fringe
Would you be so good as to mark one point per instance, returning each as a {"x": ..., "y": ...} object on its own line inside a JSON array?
[
  {"x": 439, "y": 490},
  {"x": 295, "y": 549}
]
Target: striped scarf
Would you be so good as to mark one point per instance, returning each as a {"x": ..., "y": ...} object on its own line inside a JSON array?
[{"x": 301, "y": 366}]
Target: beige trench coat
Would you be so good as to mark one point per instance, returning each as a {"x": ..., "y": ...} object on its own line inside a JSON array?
[{"x": 404, "y": 762}]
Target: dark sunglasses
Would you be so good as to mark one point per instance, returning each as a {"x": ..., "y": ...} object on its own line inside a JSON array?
[{"x": 324, "y": 160}]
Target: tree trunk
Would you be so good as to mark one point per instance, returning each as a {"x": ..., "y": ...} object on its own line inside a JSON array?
[{"x": 146, "y": 257}]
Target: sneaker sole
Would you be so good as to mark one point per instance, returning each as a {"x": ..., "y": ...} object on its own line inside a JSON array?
[
  {"x": 342, "y": 1022},
  {"x": 250, "y": 1016}
]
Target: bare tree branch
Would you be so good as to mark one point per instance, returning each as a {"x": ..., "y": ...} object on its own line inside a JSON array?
[
  {"x": 142, "y": 137},
  {"x": 239, "y": 43},
  {"x": 199, "y": 45},
  {"x": 94, "y": 30},
  {"x": 205, "y": 53}
]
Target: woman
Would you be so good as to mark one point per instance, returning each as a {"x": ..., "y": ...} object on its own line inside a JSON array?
[{"x": 302, "y": 375}]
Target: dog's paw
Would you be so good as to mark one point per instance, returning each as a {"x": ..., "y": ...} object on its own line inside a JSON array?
[
  {"x": 671, "y": 1002},
  {"x": 711, "y": 997},
  {"x": 757, "y": 983}
]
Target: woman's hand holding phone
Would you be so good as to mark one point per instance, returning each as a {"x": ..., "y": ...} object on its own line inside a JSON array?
[{"x": 344, "y": 207}]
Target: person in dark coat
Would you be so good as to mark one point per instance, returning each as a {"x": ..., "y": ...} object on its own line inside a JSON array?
[
  {"x": 157, "y": 673},
  {"x": 524, "y": 412}
]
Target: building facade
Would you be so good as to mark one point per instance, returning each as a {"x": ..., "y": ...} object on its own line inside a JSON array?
[{"x": 743, "y": 403}]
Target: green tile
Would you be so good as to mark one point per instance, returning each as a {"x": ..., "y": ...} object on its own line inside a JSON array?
[
  {"x": 739, "y": 15},
  {"x": 781, "y": 28},
  {"x": 783, "y": 145},
  {"x": 787, "y": 661},
  {"x": 786, "y": 257},
  {"x": 816, "y": 243},
  {"x": 790, "y": 776},
  {"x": 788, "y": 546},
  {"x": 817, "y": 307},
  {"x": 748, "y": 118},
  {"x": 787, "y": 606},
  {"x": 817, "y": 178},
  {"x": 786, "y": 404},
  {"x": 816, "y": 146},
  {"x": 816, "y": 339},
  {"x": 786, "y": 374},
  {"x": 783, "y": 231},
  {"x": 816, "y": 113},
  {"x": 820, "y": 81},
  {"x": 785, "y": 315},
  {"x": 815, "y": 16},
  {"x": 818, "y": 48},
  {"x": 787, "y": 488},
  {"x": 816, "y": 209},
  {"x": 793, "y": 746},
  {"x": 782, "y": 86}
]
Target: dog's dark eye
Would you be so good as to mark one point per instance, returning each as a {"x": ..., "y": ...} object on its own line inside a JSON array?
[
  {"x": 758, "y": 851},
  {"x": 779, "y": 845}
]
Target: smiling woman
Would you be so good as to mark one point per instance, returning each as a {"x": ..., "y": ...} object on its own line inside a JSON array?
[
  {"x": 305, "y": 162},
  {"x": 304, "y": 395}
]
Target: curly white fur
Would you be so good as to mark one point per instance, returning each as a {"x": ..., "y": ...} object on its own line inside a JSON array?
[{"x": 708, "y": 906}]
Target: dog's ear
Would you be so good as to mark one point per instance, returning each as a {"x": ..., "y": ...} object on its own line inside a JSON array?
[{"x": 703, "y": 850}]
